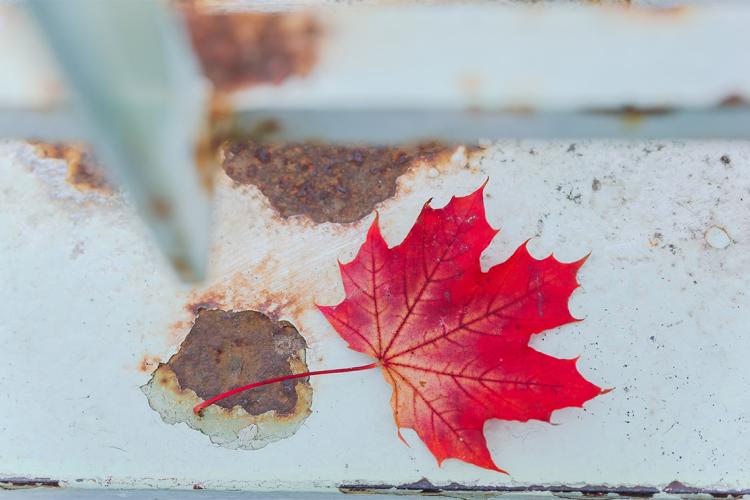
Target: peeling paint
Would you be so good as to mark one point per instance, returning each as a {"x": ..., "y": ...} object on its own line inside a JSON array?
[
  {"x": 327, "y": 183},
  {"x": 240, "y": 49},
  {"x": 426, "y": 487},
  {"x": 225, "y": 350},
  {"x": 24, "y": 483}
]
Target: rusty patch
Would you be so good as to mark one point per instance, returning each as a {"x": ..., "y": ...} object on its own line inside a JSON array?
[
  {"x": 84, "y": 170},
  {"x": 225, "y": 350},
  {"x": 239, "y": 49},
  {"x": 328, "y": 183}
]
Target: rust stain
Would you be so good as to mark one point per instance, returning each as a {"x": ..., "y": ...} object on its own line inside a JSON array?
[
  {"x": 84, "y": 170},
  {"x": 733, "y": 101},
  {"x": 219, "y": 125},
  {"x": 177, "y": 332},
  {"x": 666, "y": 13},
  {"x": 672, "y": 11},
  {"x": 633, "y": 116},
  {"x": 520, "y": 110},
  {"x": 195, "y": 308},
  {"x": 240, "y": 49},
  {"x": 643, "y": 111},
  {"x": 471, "y": 84},
  {"x": 248, "y": 289},
  {"x": 326, "y": 182},
  {"x": 224, "y": 350},
  {"x": 160, "y": 208},
  {"x": 276, "y": 304},
  {"x": 148, "y": 363}
]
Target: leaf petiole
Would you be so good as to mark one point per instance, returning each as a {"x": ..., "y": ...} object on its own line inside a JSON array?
[{"x": 199, "y": 407}]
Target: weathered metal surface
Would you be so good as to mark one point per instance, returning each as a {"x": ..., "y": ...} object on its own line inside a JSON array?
[
  {"x": 663, "y": 295},
  {"x": 517, "y": 63},
  {"x": 557, "y": 57},
  {"x": 378, "y": 127}
]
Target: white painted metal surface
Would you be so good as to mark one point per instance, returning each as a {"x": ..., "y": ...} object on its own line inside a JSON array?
[
  {"x": 556, "y": 57},
  {"x": 85, "y": 296},
  {"x": 498, "y": 58}
]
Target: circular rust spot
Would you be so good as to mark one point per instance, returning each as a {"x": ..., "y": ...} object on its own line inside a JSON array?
[{"x": 225, "y": 350}]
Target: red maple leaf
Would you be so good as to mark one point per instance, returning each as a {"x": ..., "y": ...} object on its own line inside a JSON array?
[{"x": 452, "y": 340}]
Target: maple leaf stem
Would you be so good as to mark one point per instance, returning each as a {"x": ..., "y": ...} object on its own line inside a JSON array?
[{"x": 199, "y": 407}]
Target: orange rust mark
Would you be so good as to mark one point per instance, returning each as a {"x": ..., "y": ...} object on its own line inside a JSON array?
[
  {"x": 181, "y": 265},
  {"x": 218, "y": 127},
  {"x": 632, "y": 116},
  {"x": 160, "y": 208},
  {"x": 653, "y": 13},
  {"x": 148, "y": 363},
  {"x": 520, "y": 109},
  {"x": 206, "y": 159},
  {"x": 669, "y": 11},
  {"x": 471, "y": 84},
  {"x": 733, "y": 100},
  {"x": 177, "y": 331},
  {"x": 240, "y": 49},
  {"x": 213, "y": 299},
  {"x": 260, "y": 287},
  {"x": 278, "y": 303},
  {"x": 84, "y": 170}
]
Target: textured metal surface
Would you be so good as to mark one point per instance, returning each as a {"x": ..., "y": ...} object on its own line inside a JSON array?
[{"x": 90, "y": 308}]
